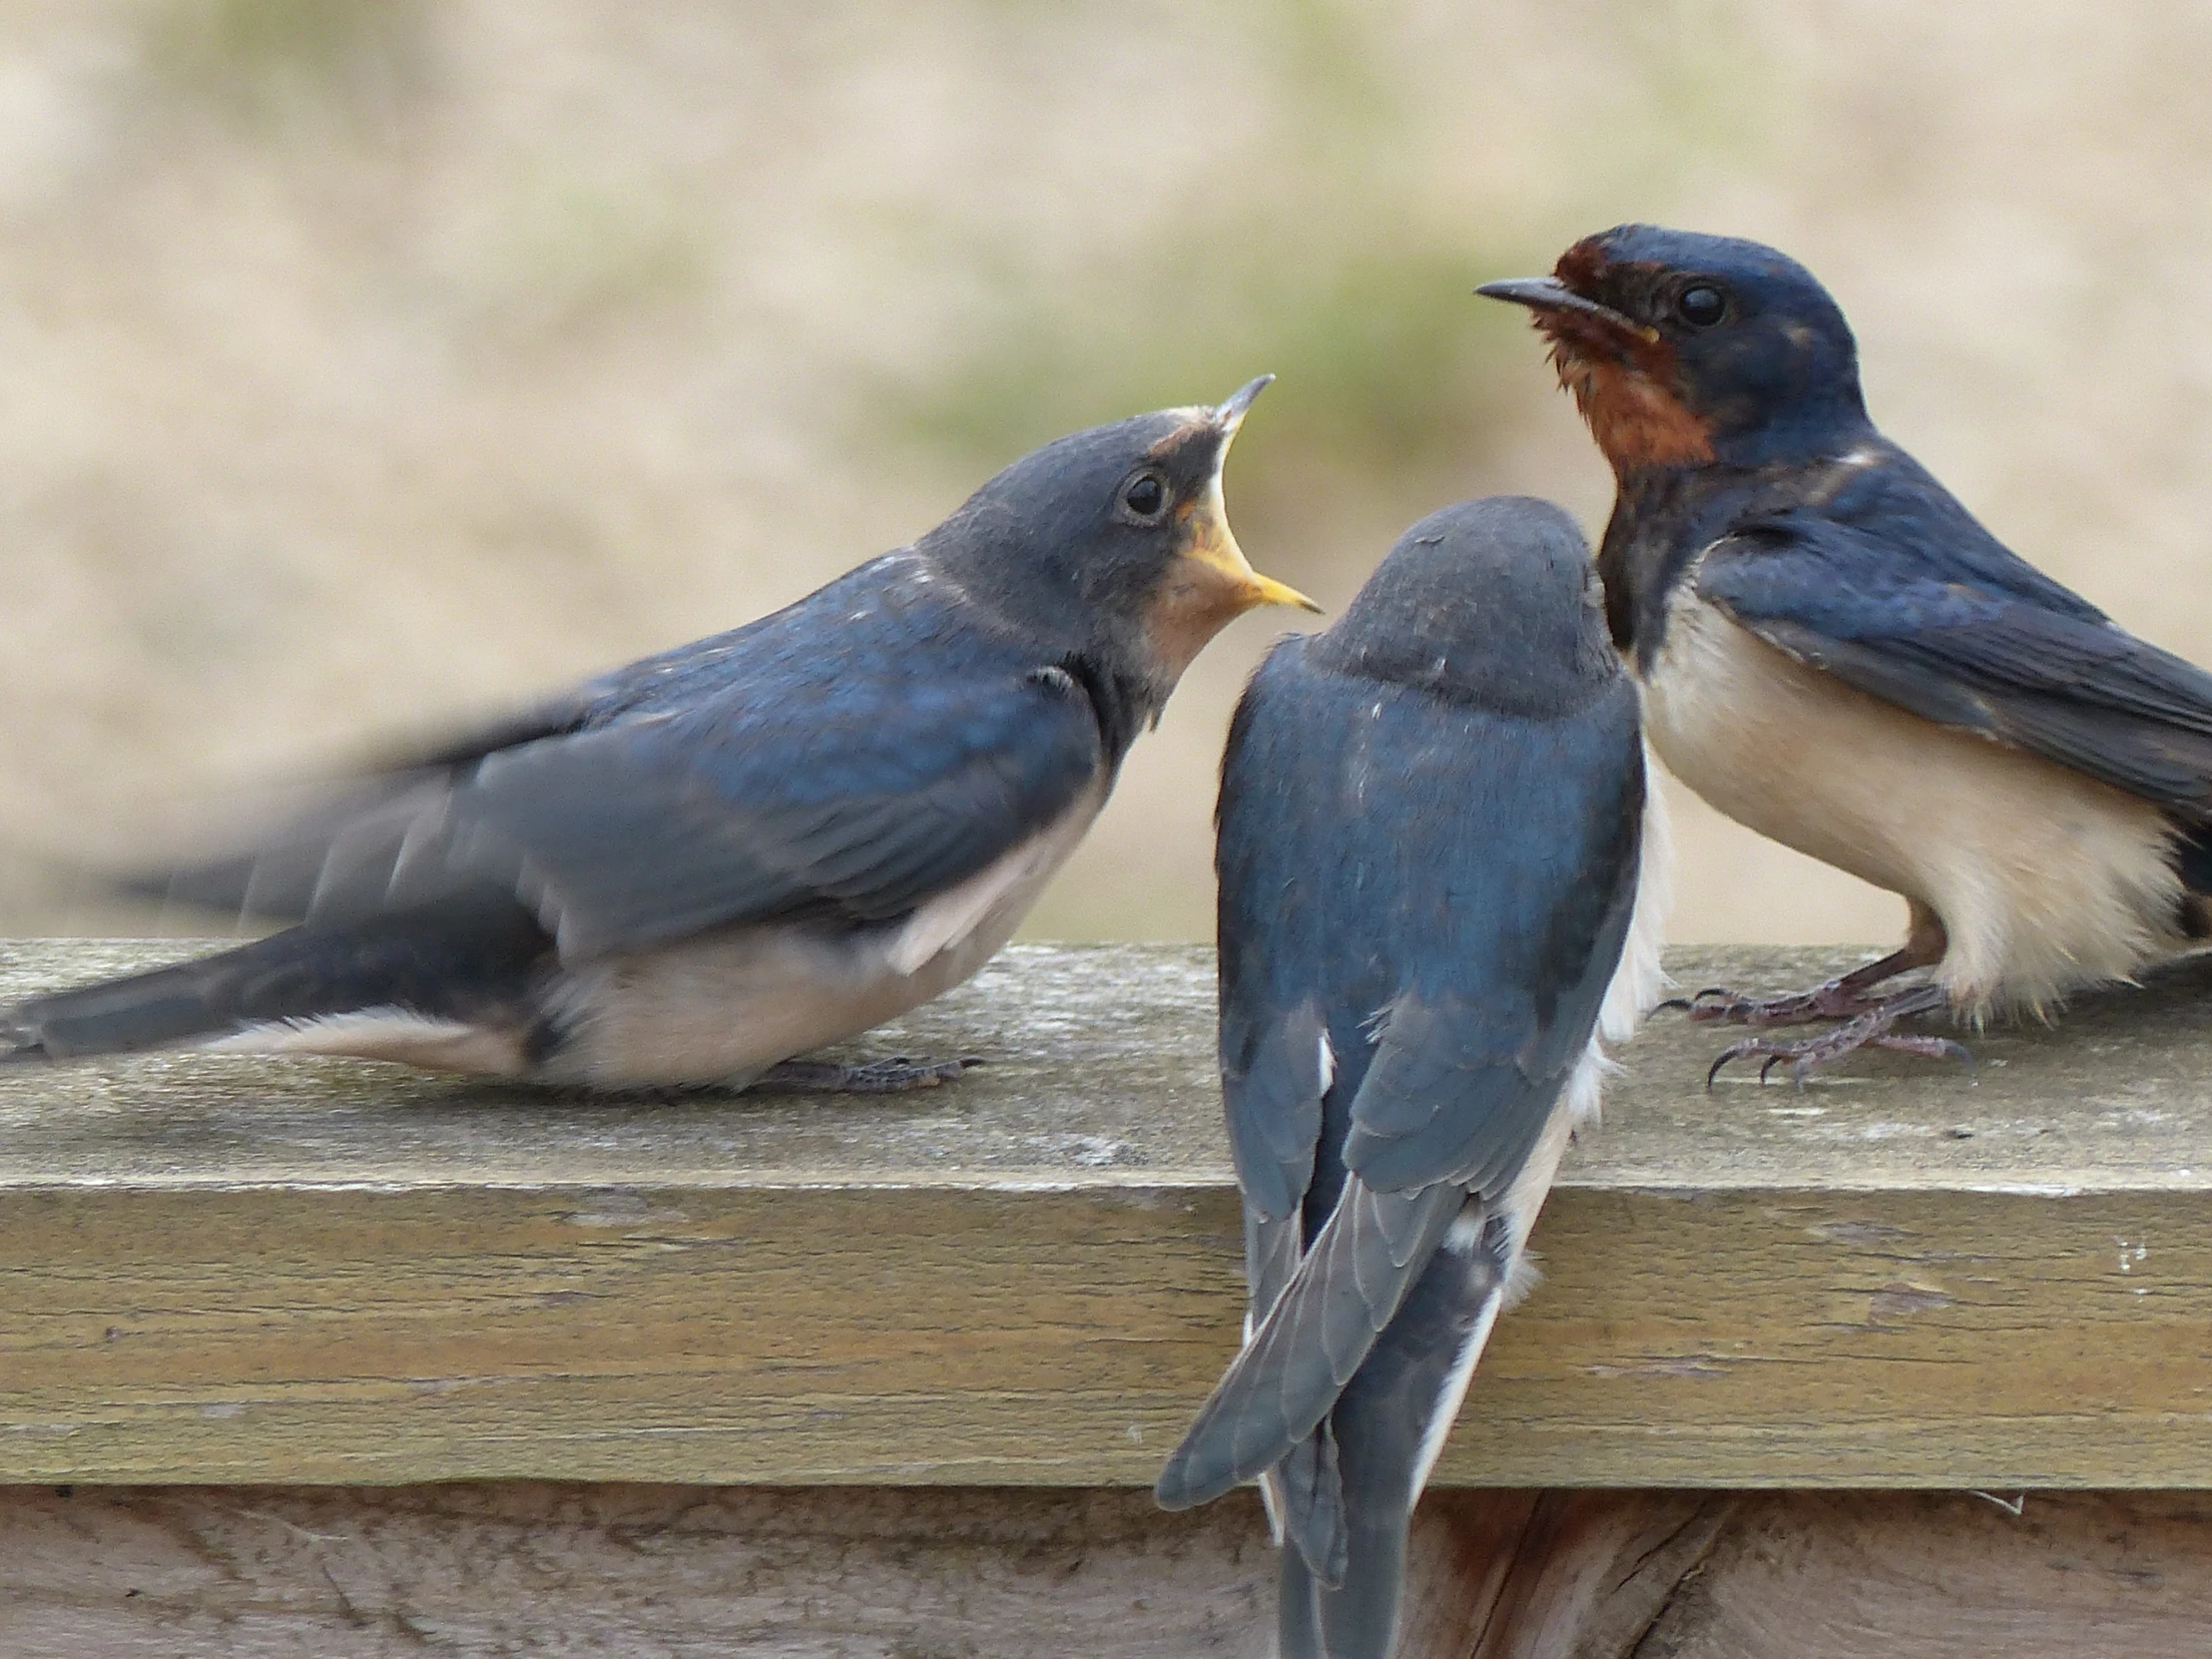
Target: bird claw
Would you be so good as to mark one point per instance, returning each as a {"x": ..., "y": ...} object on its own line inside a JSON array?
[
  {"x": 1718, "y": 1005},
  {"x": 1845, "y": 997},
  {"x": 1868, "y": 1028},
  {"x": 1690, "y": 1004},
  {"x": 897, "y": 1075}
]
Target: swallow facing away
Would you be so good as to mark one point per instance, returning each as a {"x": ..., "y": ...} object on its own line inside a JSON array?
[
  {"x": 700, "y": 866},
  {"x": 1836, "y": 652},
  {"x": 1431, "y": 823}
]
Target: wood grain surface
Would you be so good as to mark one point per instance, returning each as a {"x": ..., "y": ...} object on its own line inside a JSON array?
[
  {"x": 687, "y": 1573},
  {"x": 1810, "y": 1575},
  {"x": 226, "y": 1270}
]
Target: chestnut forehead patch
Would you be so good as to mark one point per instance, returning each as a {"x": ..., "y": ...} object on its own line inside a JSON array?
[
  {"x": 1198, "y": 423},
  {"x": 1582, "y": 266},
  {"x": 1589, "y": 270}
]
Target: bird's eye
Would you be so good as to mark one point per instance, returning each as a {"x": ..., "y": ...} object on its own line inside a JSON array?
[
  {"x": 1145, "y": 497},
  {"x": 1701, "y": 305}
]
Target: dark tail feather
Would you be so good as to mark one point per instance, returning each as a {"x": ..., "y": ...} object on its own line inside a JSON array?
[
  {"x": 1359, "y": 1620},
  {"x": 1278, "y": 1390},
  {"x": 1346, "y": 1609},
  {"x": 1297, "y": 1610},
  {"x": 1381, "y": 1428},
  {"x": 1310, "y": 1503},
  {"x": 452, "y": 960}
]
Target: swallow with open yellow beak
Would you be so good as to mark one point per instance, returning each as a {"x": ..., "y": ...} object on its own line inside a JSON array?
[{"x": 697, "y": 868}]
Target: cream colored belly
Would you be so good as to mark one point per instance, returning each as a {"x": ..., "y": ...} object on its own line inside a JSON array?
[
  {"x": 725, "y": 1006},
  {"x": 2042, "y": 879}
]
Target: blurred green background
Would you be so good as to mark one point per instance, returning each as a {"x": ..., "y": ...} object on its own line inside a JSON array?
[{"x": 367, "y": 365}]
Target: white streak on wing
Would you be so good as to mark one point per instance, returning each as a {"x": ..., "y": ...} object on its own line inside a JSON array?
[
  {"x": 1465, "y": 1231},
  {"x": 1523, "y": 1200},
  {"x": 424, "y": 832},
  {"x": 1579, "y": 1099},
  {"x": 383, "y": 837},
  {"x": 1454, "y": 1395},
  {"x": 1579, "y": 1104},
  {"x": 1013, "y": 879},
  {"x": 722, "y": 1006},
  {"x": 1327, "y": 1060},
  {"x": 1271, "y": 1499},
  {"x": 249, "y": 899},
  {"x": 352, "y": 846},
  {"x": 385, "y": 1034},
  {"x": 1638, "y": 980}
]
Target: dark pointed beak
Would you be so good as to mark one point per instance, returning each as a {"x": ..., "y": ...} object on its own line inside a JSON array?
[
  {"x": 1548, "y": 293},
  {"x": 1230, "y": 413}
]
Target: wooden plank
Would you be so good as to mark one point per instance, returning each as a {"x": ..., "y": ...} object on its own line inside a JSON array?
[
  {"x": 638, "y": 1572},
  {"x": 684, "y": 1572},
  {"x": 219, "y": 1269},
  {"x": 1828, "y": 1576}
]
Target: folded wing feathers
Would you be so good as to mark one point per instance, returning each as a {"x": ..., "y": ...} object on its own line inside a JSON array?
[
  {"x": 1311, "y": 1492},
  {"x": 1343, "y": 1293},
  {"x": 1273, "y": 1249},
  {"x": 1272, "y": 1088}
]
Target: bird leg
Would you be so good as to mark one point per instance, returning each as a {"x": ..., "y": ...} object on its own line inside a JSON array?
[
  {"x": 1840, "y": 998},
  {"x": 897, "y": 1075},
  {"x": 1870, "y": 1028},
  {"x": 1843, "y": 997}
]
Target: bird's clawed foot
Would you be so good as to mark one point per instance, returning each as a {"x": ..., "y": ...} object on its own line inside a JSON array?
[
  {"x": 1845, "y": 997},
  {"x": 1718, "y": 1005},
  {"x": 897, "y": 1075},
  {"x": 1871, "y": 1027}
]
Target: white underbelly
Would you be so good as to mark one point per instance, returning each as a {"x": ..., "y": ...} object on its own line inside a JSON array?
[
  {"x": 725, "y": 1005},
  {"x": 2043, "y": 878}
]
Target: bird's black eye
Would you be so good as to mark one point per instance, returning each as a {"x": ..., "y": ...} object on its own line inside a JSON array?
[
  {"x": 1145, "y": 497},
  {"x": 1701, "y": 305}
]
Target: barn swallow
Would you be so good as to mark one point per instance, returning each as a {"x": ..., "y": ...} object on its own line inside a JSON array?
[
  {"x": 1431, "y": 825},
  {"x": 698, "y": 867},
  {"x": 1836, "y": 652}
]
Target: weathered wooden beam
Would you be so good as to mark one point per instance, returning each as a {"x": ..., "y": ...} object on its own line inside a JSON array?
[
  {"x": 1807, "y": 1575},
  {"x": 224, "y": 1270},
  {"x": 842, "y": 1573}
]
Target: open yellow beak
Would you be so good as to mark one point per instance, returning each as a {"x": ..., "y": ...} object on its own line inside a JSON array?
[
  {"x": 1214, "y": 547},
  {"x": 1272, "y": 592},
  {"x": 1247, "y": 588}
]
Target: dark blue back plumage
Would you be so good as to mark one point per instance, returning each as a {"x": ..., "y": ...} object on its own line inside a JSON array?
[
  {"x": 1957, "y": 629},
  {"x": 752, "y": 777},
  {"x": 1429, "y": 837}
]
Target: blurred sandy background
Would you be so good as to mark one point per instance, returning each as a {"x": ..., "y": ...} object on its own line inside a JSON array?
[{"x": 365, "y": 365}]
